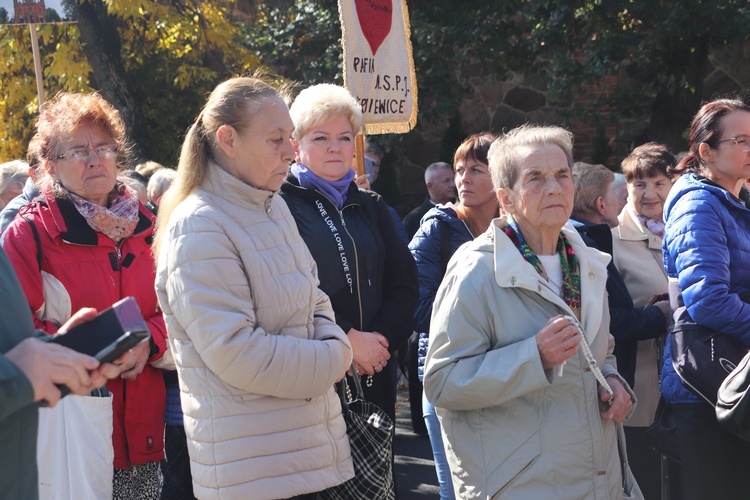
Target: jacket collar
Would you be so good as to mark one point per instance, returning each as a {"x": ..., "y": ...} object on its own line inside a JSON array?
[
  {"x": 512, "y": 270},
  {"x": 71, "y": 226},
  {"x": 631, "y": 229},
  {"x": 228, "y": 187},
  {"x": 292, "y": 186}
]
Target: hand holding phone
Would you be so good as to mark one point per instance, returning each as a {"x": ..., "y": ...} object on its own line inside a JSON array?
[
  {"x": 109, "y": 335},
  {"x": 122, "y": 345}
]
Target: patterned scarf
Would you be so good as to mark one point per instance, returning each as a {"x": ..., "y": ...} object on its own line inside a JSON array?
[
  {"x": 653, "y": 225},
  {"x": 571, "y": 289},
  {"x": 117, "y": 221}
]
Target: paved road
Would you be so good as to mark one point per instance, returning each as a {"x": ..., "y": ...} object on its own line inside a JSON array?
[{"x": 414, "y": 468}]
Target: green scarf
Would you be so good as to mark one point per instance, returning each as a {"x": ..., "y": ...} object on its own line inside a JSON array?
[{"x": 571, "y": 290}]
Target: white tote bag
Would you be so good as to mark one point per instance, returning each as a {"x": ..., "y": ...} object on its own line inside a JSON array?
[
  {"x": 75, "y": 455},
  {"x": 74, "y": 449}
]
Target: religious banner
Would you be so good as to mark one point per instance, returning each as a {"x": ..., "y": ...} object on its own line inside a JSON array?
[{"x": 378, "y": 63}]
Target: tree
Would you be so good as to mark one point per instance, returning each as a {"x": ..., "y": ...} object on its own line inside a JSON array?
[
  {"x": 3, "y": 15},
  {"x": 660, "y": 51},
  {"x": 156, "y": 61},
  {"x": 51, "y": 16}
]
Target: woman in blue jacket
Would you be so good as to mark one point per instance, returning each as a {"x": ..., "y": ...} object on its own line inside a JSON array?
[
  {"x": 477, "y": 206},
  {"x": 707, "y": 251}
]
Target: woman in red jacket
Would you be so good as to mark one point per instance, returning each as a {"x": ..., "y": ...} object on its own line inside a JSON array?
[{"x": 86, "y": 242}]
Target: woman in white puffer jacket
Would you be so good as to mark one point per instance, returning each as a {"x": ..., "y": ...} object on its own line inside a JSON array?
[{"x": 254, "y": 339}]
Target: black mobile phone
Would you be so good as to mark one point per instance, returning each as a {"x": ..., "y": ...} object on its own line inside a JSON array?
[
  {"x": 120, "y": 346},
  {"x": 105, "y": 329}
]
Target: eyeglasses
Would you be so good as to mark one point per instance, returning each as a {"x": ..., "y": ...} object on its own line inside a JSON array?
[
  {"x": 106, "y": 152},
  {"x": 743, "y": 141}
]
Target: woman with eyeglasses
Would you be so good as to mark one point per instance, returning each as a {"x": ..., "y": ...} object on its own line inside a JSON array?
[
  {"x": 707, "y": 253},
  {"x": 86, "y": 242}
]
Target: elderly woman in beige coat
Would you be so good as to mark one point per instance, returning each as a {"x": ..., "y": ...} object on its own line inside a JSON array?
[
  {"x": 524, "y": 414},
  {"x": 637, "y": 255},
  {"x": 254, "y": 339}
]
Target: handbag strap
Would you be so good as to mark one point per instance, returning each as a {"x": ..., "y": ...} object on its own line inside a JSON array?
[{"x": 345, "y": 393}]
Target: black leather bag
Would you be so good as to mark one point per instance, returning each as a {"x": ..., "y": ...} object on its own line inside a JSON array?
[
  {"x": 662, "y": 433},
  {"x": 733, "y": 402},
  {"x": 370, "y": 432},
  {"x": 701, "y": 357}
]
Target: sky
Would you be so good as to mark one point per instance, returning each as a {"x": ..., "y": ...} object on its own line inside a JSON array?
[{"x": 50, "y": 4}]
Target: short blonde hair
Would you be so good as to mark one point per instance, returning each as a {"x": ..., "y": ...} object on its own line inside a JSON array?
[
  {"x": 503, "y": 156},
  {"x": 321, "y": 103},
  {"x": 148, "y": 168}
]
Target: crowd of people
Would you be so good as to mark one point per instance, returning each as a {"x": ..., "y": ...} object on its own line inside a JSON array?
[{"x": 537, "y": 291}]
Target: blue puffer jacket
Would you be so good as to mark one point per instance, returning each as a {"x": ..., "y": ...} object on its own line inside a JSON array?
[
  {"x": 427, "y": 249},
  {"x": 707, "y": 249}
]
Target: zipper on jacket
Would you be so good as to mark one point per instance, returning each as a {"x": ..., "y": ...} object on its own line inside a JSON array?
[
  {"x": 356, "y": 259},
  {"x": 356, "y": 266}
]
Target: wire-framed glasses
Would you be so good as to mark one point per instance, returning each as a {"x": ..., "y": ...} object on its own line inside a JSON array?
[
  {"x": 742, "y": 141},
  {"x": 81, "y": 155}
]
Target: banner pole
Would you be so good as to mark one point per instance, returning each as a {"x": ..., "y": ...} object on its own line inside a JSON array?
[
  {"x": 37, "y": 63},
  {"x": 359, "y": 152}
]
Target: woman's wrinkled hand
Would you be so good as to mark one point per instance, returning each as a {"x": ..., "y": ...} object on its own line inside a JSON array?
[
  {"x": 370, "y": 350},
  {"x": 621, "y": 405},
  {"x": 557, "y": 341},
  {"x": 133, "y": 362}
]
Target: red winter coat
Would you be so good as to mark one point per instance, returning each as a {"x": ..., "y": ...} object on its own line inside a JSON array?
[{"x": 81, "y": 267}]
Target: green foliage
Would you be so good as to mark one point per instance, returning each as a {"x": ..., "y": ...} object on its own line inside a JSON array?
[
  {"x": 63, "y": 65},
  {"x": 51, "y": 16},
  {"x": 174, "y": 53},
  {"x": 659, "y": 49},
  {"x": 298, "y": 40},
  {"x": 3, "y": 15}
]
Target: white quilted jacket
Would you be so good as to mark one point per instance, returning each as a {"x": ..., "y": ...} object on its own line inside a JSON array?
[{"x": 255, "y": 344}]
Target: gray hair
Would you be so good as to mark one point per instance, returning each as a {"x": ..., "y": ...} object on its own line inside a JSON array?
[
  {"x": 503, "y": 156},
  {"x": 160, "y": 182},
  {"x": 321, "y": 103},
  {"x": 591, "y": 182},
  {"x": 13, "y": 172},
  {"x": 432, "y": 169}
]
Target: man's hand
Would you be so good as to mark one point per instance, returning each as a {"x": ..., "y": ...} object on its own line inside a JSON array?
[
  {"x": 621, "y": 402},
  {"x": 557, "y": 341},
  {"x": 46, "y": 364}
]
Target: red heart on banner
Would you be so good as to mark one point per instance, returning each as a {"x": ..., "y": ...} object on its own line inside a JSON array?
[{"x": 375, "y": 19}]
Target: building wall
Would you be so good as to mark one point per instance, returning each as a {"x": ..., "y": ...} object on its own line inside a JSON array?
[{"x": 28, "y": 11}]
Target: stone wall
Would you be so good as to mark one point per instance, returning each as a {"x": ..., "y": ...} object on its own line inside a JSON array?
[{"x": 496, "y": 105}]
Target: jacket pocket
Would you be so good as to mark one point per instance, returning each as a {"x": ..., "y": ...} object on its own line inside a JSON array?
[{"x": 520, "y": 460}]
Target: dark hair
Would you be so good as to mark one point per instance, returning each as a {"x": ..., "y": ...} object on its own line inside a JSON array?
[
  {"x": 707, "y": 127},
  {"x": 132, "y": 174},
  {"x": 475, "y": 146},
  {"x": 648, "y": 160}
]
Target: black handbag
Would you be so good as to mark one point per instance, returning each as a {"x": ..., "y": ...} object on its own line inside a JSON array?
[
  {"x": 662, "y": 433},
  {"x": 701, "y": 357},
  {"x": 370, "y": 432},
  {"x": 733, "y": 402}
]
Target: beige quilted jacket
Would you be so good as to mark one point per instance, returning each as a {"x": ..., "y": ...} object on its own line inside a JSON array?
[{"x": 255, "y": 344}]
